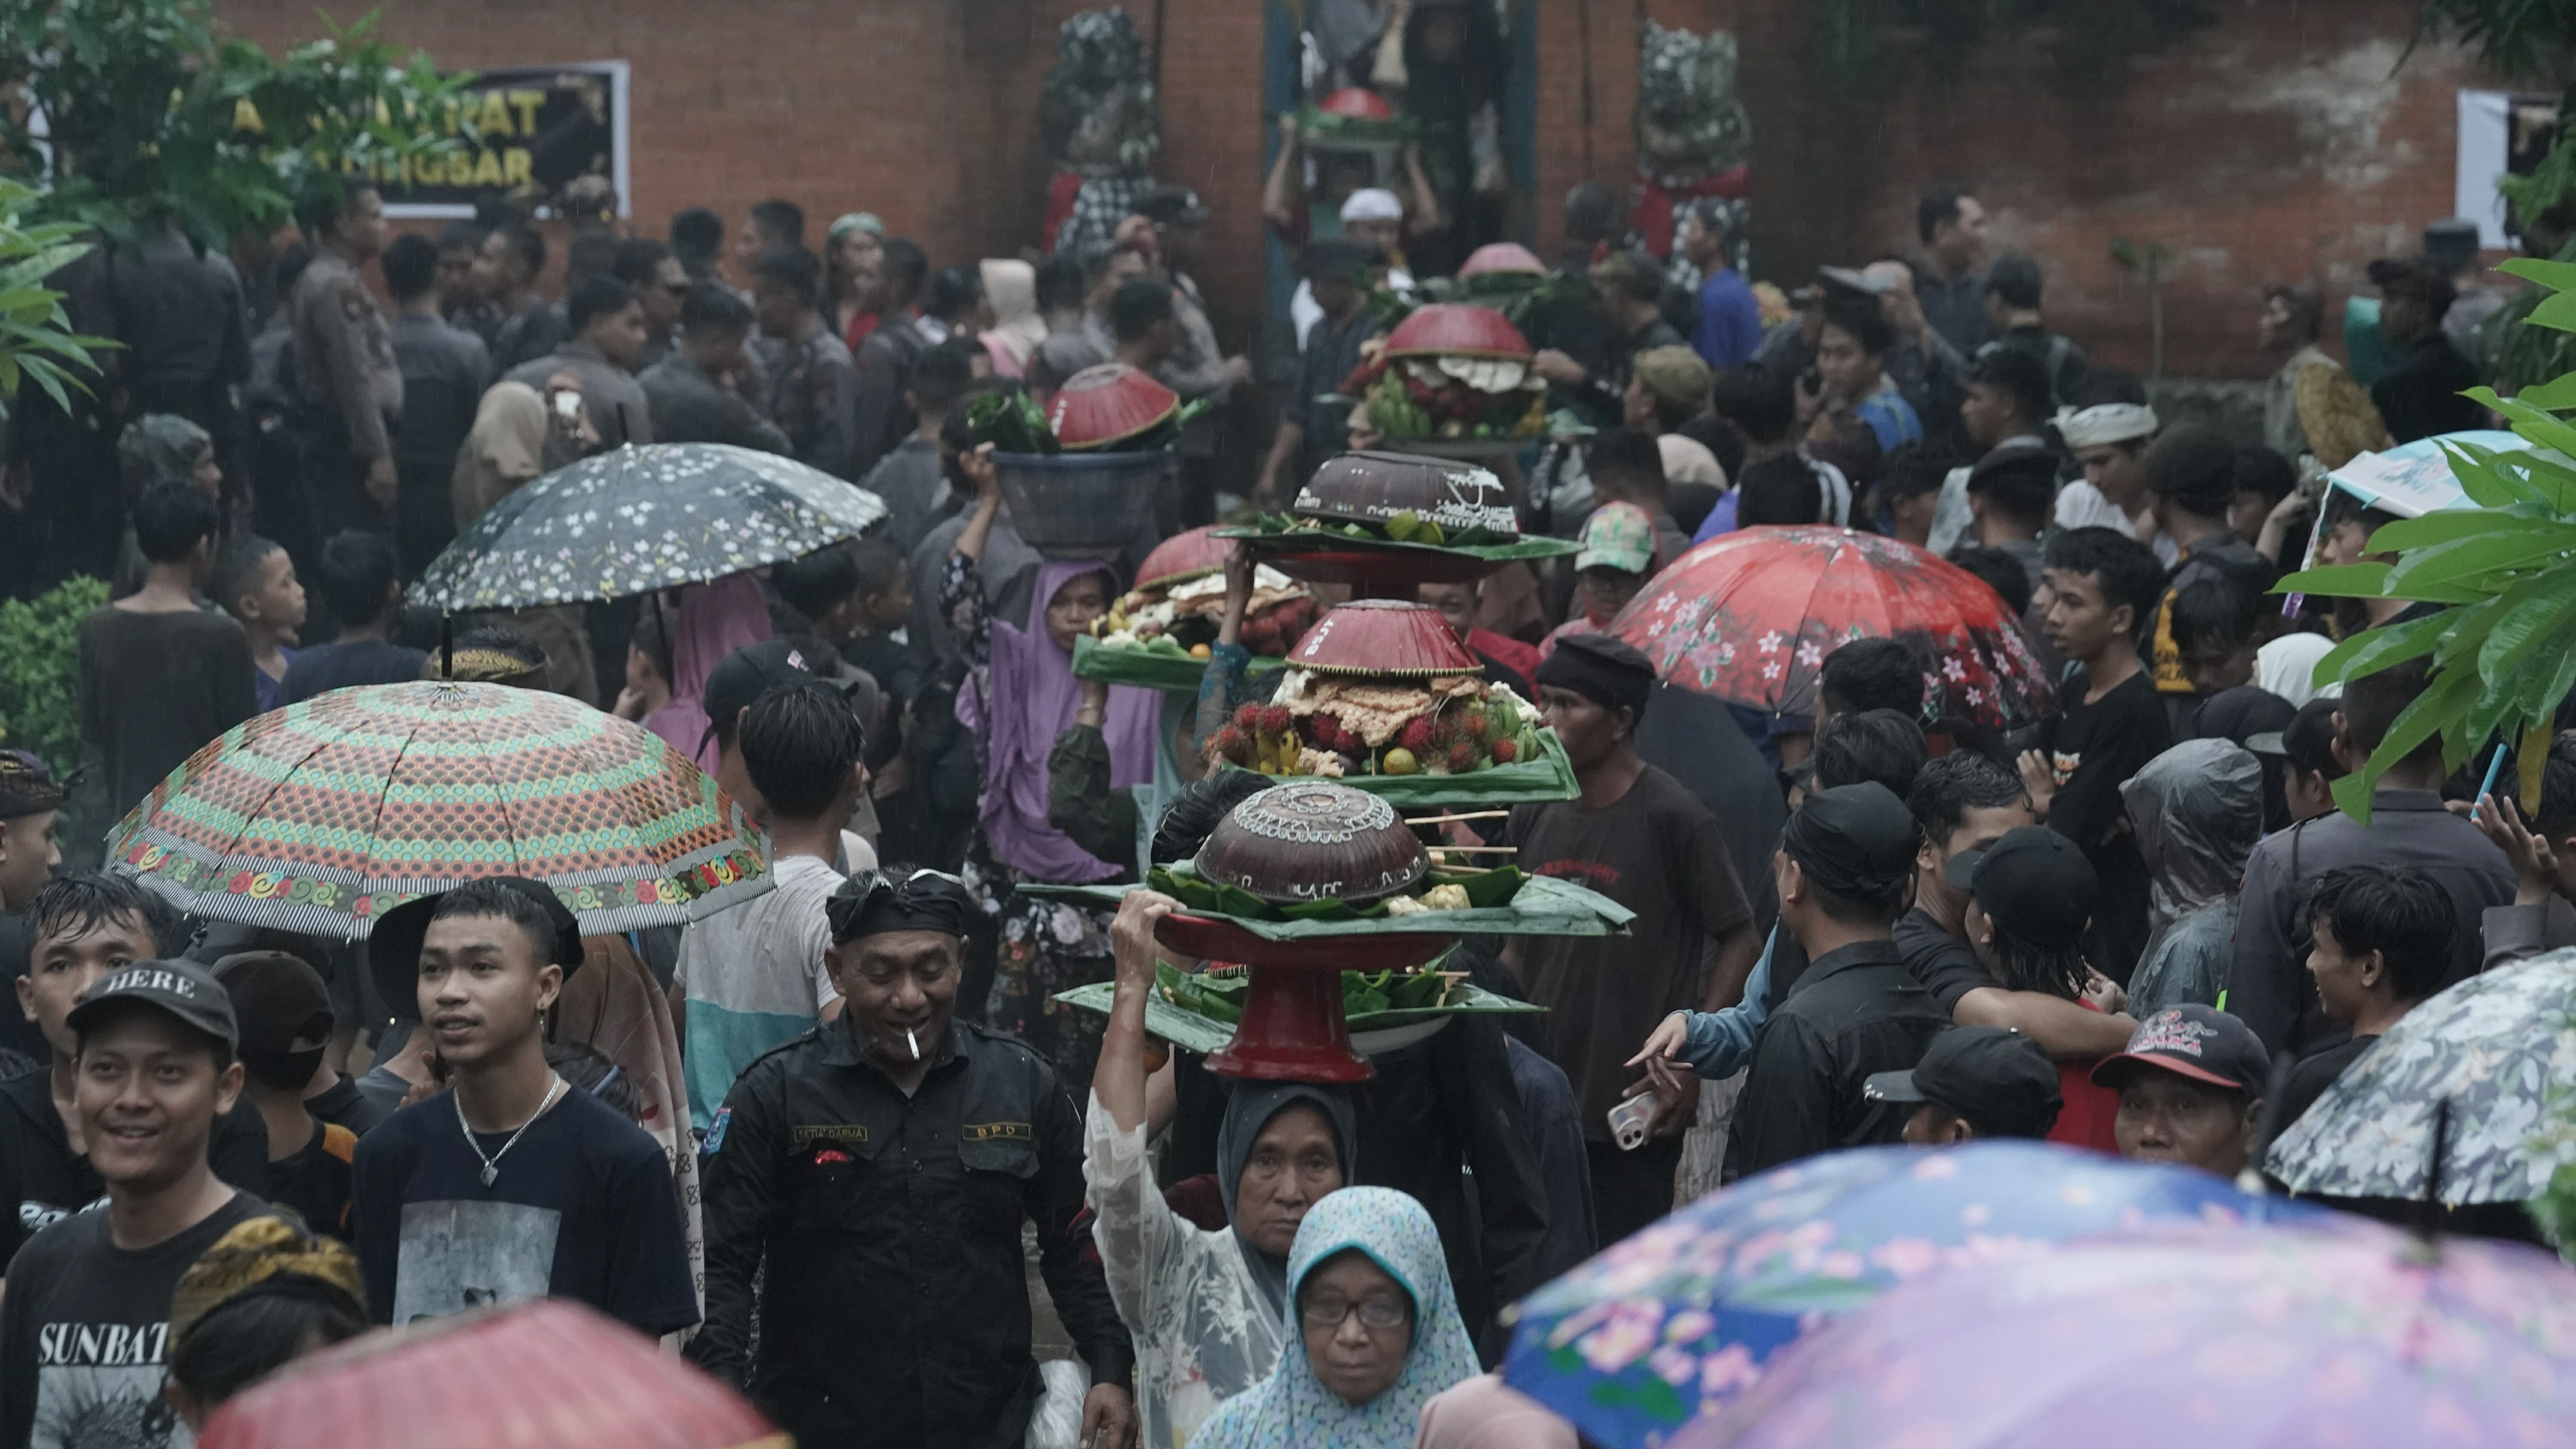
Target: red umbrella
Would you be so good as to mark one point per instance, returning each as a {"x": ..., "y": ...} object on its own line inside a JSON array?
[{"x": 1750, "y": 617}]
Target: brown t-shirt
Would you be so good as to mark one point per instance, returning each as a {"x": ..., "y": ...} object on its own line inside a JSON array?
[{"x": 1658, "y": 852}]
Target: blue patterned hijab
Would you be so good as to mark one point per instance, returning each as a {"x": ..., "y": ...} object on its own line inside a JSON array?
[{"x": 1292, "y": 1407}]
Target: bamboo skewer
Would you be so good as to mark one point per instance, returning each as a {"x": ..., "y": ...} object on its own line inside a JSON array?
[
  {"x": 1445, "y": 819},
  {"x": 1477, "y": 849}
]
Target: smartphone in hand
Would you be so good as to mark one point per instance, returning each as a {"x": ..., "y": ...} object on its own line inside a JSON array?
[{"x": 1628, "y": 1121}]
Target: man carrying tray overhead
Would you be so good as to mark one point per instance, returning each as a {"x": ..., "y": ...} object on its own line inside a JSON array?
[{"x": 1640, "y": 837}]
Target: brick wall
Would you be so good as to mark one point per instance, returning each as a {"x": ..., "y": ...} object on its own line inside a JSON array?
[{"x": 2283, "y": 142}]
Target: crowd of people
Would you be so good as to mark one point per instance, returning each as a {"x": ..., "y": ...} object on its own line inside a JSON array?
[{"x": 2139, "y": 925}]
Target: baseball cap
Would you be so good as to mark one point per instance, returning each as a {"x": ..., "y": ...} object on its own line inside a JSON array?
[
  {"x": 280, "y": 1003},
  {"x": 742, "y": 677},
  {"x": 183, "y": 989},
  {"x": 1852, "y": 839},
  {"x": 2034, "y": 882},
  {"x": 2199, "y": 1042},
  {"x": 2306, "y": 742},
  {"x": 393, "y": 947},
  {"x": 2001, "y": 1081},
  {"x": 1618, "y": 536}
]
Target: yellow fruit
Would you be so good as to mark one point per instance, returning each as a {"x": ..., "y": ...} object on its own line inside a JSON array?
[
  {"x": 1198, "y": 651},
  {"x": 1398, "y": 761}
]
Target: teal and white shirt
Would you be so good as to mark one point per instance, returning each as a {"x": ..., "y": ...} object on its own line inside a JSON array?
[{"x": 754, "y": 977}]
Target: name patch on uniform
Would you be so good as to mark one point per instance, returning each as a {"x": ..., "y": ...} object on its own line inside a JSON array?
[
  {"x": 800, "y": 1138},
  {"x": 997, "y": 1132}
]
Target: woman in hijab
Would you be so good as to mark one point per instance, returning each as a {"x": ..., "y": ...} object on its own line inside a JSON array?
[
  {"x": 2198, "y": 811},
  {"x": 1011, "y": 286},
  {"x": 713, "y": 620},
  {"x": 1371, "y": 1333},
  {"x": 1205, "y": 1306},
  {"x": 1019, "y": 697}
]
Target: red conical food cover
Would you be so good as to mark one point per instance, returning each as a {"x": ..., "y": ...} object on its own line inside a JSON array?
[
  {"x": 1193, "y": 551},
  {"x": 1501, "y": 257},
  {"x": 1384, "y": 636},
  {"x": 1106, "y": 403},
  {"x": 1455, "y": 329},
  {"x": 548, "y": 1372},
  {"x": 1359, "y": 103}
]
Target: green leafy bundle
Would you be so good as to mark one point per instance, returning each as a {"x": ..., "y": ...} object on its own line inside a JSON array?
[
  {"x": 1486, "y": 890},
  {"x": 36, "y": 337},
  {"x": 2504, "y": 654},
  {"x": 1219, "y": 994}
]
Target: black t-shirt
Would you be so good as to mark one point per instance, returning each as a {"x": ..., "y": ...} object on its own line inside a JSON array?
[
  {"x": 583, "y": 1208},
  {"x": 314, "y": 1179},
  {"x": 84, "y": 1332},
  {"x": 344, "y": 1105},
  {"x": 2094, "y": 748},
  {"x": 42, "y": 1181},
  {"x": 2311, "y": 1075},
  {"x": 327, "y": 667},
  {"x": 1942, "y": 963}
]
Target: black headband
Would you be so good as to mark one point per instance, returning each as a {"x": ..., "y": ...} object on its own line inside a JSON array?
[
  {"x": 872, "y": 904},
  {"x": 1607, "y": 671}
]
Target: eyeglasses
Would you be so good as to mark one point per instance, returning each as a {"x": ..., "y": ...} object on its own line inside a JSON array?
[{"x": 1376, "y": 1314}]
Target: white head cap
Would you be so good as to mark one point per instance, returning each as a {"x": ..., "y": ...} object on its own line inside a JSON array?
[{"x": 1372, "y": 203}]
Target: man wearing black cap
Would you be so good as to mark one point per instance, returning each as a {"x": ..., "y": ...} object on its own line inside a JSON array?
[
  {"x": 2420, "y": 396},
  {"x": 1975, "y": 1082},
  {"x": 2191, "y": 1089},
  {"x": 509, "y": 1185},
  {"x": 84, "y": 1325},
  {"x": 2302, "y": 753},
  {"x": 882, "y": 1166},
  {"x": 1642, "y": 838},
  {"x": 284, "y": 1012},
  {"x": 2030, "y": 896},
  {"x": 1845, "y": 872},
  {"x": 82, "y": 929}
]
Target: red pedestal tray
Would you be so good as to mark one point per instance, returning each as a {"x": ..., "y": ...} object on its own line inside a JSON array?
[
  {"x": 1293, "y": 1029},
  {"x": 1381, "y": 573}
]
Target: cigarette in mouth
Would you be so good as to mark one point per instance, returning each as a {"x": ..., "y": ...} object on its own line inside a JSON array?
[{"x": 909, "y": 1041}]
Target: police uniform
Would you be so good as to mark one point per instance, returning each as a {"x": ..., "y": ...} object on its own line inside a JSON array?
[{"x": 351, "y": 387}]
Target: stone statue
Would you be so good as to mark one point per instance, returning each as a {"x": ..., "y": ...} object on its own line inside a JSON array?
[
  {"x": 1097, "y": 110},
  {"x": 1693, "y": 139}
]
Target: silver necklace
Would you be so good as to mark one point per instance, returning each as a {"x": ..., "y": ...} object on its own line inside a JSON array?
[{"x": 492, "y": 1163}]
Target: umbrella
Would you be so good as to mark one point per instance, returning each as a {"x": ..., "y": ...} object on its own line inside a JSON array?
[
  {"x": 2500, "y": 1048},
  {"x": 1682, "y": 1317},
  {"x": 548, "y": 1372},
  {"x": 1750, "y": 616},
  {"x": 319, "y": 817},
  {"x": 638, "y": 519},
  {"x": 2270, "y": 1339}
]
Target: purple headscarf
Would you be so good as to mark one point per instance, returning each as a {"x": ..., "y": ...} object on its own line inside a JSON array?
[
  {"x": 715, "y": 619},
  {"x": 1037, "y": 693}
]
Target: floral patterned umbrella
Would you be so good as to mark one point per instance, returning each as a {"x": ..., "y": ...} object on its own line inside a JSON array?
[
  {"x": 2500, "y": 1048},
  {"x": 1749, "y": 617},
  {"x": 1681, "y": 1318},
  {"x": 638, "y": 519},
  {"x": 322, "y": 816},
  {"x": 2283, "y": 1338}
]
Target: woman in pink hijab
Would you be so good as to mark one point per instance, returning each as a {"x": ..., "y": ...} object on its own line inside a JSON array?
[{"x": 713, "y": 620}]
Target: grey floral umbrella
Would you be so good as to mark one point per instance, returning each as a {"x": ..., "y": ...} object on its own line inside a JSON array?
[
  {"x": 643, "y": 518},
  {"x": 2500, "y": 1047}
]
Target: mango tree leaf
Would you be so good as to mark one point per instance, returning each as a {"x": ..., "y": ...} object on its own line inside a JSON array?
[
  {"x": 2557, "y": 394},
  {"x": 2338, "y": 581},
  {"x": 2536, "y": 610},
  {"x": 2373, "y": 650},
  {"x": 2464, "y": 560},
  {"x": 2449, "y": 526},
  {"x": 2556, "y": 276},
  {"x": 2558, "y": 313},
  {"x": 2544, "y": 428}
]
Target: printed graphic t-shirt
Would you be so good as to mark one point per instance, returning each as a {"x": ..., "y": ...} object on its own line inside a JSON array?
[
  {"x": 1658, "y": 852},
  {"x": 583, "y": 1208},
  {"x": 84, "y": 1333}
]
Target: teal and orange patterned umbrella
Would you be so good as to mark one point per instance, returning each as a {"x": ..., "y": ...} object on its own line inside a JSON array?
[{"x": 320, "y": 817}]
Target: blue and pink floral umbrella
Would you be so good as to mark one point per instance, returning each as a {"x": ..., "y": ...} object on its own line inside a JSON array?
[
  {"x": 1680, "y": 1319},
  {"x": 2354, "y": 1337}
]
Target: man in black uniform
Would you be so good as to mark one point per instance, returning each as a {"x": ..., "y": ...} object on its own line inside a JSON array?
[{"x": 882, "y": 1164}]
